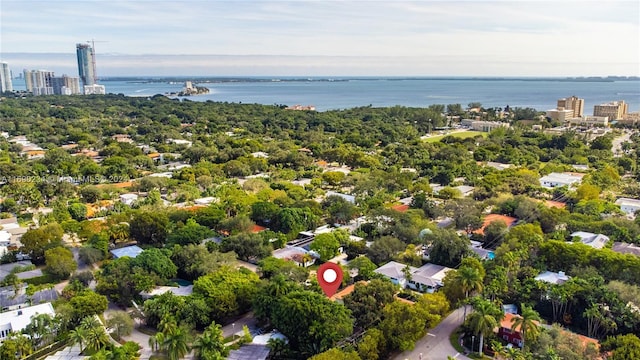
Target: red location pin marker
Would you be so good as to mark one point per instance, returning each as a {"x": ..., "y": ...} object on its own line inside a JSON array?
[{"x": 329, "y": 278}]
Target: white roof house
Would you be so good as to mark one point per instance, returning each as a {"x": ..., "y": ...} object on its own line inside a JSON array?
[
  {"x": 17, "y": 320},
  {"x": 426, "y": 278},
  {"x": 349, "y": 198},
  {"x": 175, "y": 290},
  {"x": 205, "y": 200},
  {"x": 5, "y": 238},
  {"x": 596, "y": 241},
  {"x": 129, "y": 198},
  {"x": 465, "y": 190},
  {"x": 553, "y": 277},
  {"x": 130, "y": 251},
  {"x": 560, "y": 179},
  {"x": 629, "y": 206}
]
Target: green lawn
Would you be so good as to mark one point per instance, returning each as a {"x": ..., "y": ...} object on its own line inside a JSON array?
[{"x": 459, "y": 134}]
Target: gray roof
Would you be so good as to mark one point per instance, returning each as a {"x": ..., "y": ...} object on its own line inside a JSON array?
[
  {"x": 130, "y": 251},
  {"x": 9, "y": 298},
  {"x": 625, "y": 248},
  {"x": 249, "y": 352},
  {"x": 394, "y": 269},
  {"x": 596, "y": 241},
  {"x": 553, "y": 277},
  {"x": 5, "y": 269},
  {"x": 29, "y": 274}
]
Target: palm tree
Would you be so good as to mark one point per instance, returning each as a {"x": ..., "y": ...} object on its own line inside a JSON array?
[
  {"x": 95, "y": 334},
  {"x": 176, "y": 343},
  {"x": 78, "y": 336},
  {"x": 97, "y": 338},
  {"x": 210, "y": 345},
  {"x": 528, "y": 322},
  {"x": 157, "y": 341},
  {"x": 23, "y": 345},
  {"x": 499, "y": 350},
  {"x": 514, "y": 354},
  {"x": 40, "y": 328},
  {"x": 484, "y": 319},
  {"x": 469, "y": 280}
]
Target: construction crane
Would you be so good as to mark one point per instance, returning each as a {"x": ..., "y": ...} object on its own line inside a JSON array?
[{"x": 93, "y": 58}]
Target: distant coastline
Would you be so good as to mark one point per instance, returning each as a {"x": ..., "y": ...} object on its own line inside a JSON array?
[{"x": 224, "y": 79}]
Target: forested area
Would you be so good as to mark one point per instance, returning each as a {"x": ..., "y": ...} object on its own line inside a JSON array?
[{"x": 285, "y": 172}]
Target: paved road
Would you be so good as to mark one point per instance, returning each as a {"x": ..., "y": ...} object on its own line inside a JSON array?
[
  {"x": 617, "y": 143},
  {"x": 435, "y": 345}
]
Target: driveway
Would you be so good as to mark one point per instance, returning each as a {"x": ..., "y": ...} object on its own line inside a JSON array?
[
  {"x": 246, "y": 319},
  {"x": 435, "y": 345}
]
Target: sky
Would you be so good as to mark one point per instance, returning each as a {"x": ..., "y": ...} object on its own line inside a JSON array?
[{"x": 327, "y": 37}]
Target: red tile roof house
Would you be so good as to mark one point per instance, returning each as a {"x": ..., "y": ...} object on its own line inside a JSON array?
[
  {"x": 506, "y": 333},
  {"x": 513, "y": 336}
]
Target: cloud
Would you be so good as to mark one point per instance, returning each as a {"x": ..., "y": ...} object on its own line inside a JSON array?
[{"x": 586, "y": 33}]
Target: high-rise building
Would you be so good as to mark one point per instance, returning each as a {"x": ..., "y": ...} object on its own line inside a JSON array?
[
  {"x": 572, "y": 103},
  {"x": 615, "y": 110},
  {"x": 5, "y": 78},
  {"x": 66, "y": 85},
  {"x": 39, "y": 82},
  {"x": 86, "y": 64}
]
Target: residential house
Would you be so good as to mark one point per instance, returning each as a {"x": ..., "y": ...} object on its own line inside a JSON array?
[
  {"x": 129, "y": 198},
  {"x": 629, "y": 206},
  {"x": 206, "y": 200},
  {"x": 553, "y": 277},
  {"x": 348, "y": 198},
  {"x": 465, "y": 190},
  {"x": 596, "y": 241},
  {"x": 298, "y": 255},
  {"x": 509, "y": 333},
  {"x": 17, "y": 320},
  {"x": 483, "y": 254},
  {"x": 624, "y": 248},
  {"x": 130, "y": 251},
  {"x": 427, "y": 278},
  {"x": 175, "y": 290},
  {"x": 12, "y": 298},
  {"x": 508, "y": 220},
  {"x": 498, "y": 166},
  {"x": 560, "y": 179}
]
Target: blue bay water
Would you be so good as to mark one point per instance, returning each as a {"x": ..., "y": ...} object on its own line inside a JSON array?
[{"x": 342, "y": 93}]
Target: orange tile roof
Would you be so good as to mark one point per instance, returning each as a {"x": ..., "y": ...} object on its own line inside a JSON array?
[
  {"x": 400, "y": 207},
  {"x": 257, "y": 228},
  {"x": 406, "y": 301},
  {"x": 495, "y": 217},
  {"x": 193, "y": 207},
  {"x": 153, "y": 155},
  {"x": 346, "y": 291},
  {"x": 120, "y": 185},
  {"x": 36, "y": 152},
  {"x": 322, "y": 163},
  {"x": 342, "y": 293},
  {"x": 554, "y": 204},
  {"x": 507, "y": 322}
]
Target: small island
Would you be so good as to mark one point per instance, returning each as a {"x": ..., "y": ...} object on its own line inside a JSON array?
[{"x": 189, "y": 89}]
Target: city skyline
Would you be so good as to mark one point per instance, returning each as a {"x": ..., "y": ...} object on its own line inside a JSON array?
[{"x": 336, "y": 38}]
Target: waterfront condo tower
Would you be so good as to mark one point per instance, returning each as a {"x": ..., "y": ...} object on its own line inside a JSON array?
[
  {"x": 86, "y": 64},
  {"x": 5, "y": 78}
]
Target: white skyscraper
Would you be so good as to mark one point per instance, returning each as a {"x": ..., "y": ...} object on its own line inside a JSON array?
[{"x": 5, "y": 78}]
